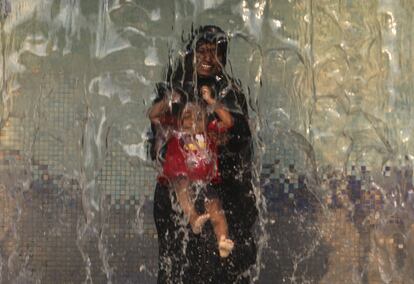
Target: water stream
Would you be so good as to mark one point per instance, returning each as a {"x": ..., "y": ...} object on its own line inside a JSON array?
[{"x": 330, "y": 92}]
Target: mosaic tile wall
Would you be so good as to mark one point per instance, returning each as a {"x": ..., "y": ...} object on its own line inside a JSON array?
[
  {"x": 330, "y": 90},
  {"x": 42, "y": 228},
  {"x": 337, "y": 238},
  {"x": 39, "y": 223}
]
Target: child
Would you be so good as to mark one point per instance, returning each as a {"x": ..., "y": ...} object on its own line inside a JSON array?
[{"x": 191, "y": 159}]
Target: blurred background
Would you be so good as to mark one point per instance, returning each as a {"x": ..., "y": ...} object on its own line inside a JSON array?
[{"x": 330, "y": 91}]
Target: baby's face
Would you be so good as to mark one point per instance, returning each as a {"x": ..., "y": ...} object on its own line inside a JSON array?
[
  {"x": 188, "y": 120},
  {"x": 192, "y": 120}
]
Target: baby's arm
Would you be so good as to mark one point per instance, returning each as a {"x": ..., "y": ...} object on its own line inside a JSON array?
[
  {"x": 226, "y": 120},
  {"x": 161, "y": 107},
  {"x": 157, "y": 111}
]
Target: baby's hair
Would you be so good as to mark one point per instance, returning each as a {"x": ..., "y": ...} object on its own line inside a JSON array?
[{"x": 193, "y": 107}]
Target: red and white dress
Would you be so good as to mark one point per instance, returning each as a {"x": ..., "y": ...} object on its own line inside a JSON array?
[{"x": 193, "y": 156}]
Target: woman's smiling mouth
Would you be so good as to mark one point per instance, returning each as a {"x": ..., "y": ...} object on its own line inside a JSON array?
[{"x": 206, "y": 66}]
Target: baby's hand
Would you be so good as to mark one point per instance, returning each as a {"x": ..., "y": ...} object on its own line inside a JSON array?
[
  {"x": 207, "y": 95},
  {"x": 173, "y": 97},
  {"x": 176, "y": 97}
]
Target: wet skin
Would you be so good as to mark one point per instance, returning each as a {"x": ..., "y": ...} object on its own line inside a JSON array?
[
  {"x": 192, "y": 120},
  {"x": 208, "y": 60}
]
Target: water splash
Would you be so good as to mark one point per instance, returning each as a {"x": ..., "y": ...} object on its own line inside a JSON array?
[{"x": 329, "y": 84}]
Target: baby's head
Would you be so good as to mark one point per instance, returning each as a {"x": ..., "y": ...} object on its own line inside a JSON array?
[{"x": 192, "y": 118}]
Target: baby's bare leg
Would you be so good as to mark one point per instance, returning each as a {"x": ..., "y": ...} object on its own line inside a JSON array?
[
  {"x": 182, "y": 187},
  {"x": 219, "y": 222},
  {"x": 218, "y": 219}
]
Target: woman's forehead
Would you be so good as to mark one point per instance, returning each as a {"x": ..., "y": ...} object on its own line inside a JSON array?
[{"x": 208, "y": 45}]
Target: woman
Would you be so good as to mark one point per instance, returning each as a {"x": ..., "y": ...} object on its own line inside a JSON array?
[{"x": 183, "y": 256}]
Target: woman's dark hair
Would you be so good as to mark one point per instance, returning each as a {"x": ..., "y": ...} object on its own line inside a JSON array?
[{"x": 184, "y": 69}]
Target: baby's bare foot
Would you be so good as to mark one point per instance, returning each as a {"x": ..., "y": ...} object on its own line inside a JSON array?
[
  {"x": 198, "y": 223},
  {"x": 225, "y": 246}
]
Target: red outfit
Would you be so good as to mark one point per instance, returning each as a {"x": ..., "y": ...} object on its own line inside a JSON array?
[{"x": 193, "y": 156}]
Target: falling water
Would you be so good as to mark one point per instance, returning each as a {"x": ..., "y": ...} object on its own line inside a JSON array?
[{"x": 329, "y": 86}]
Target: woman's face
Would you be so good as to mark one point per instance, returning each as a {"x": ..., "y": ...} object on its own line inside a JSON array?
[{"x": 208, "y": 60}]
